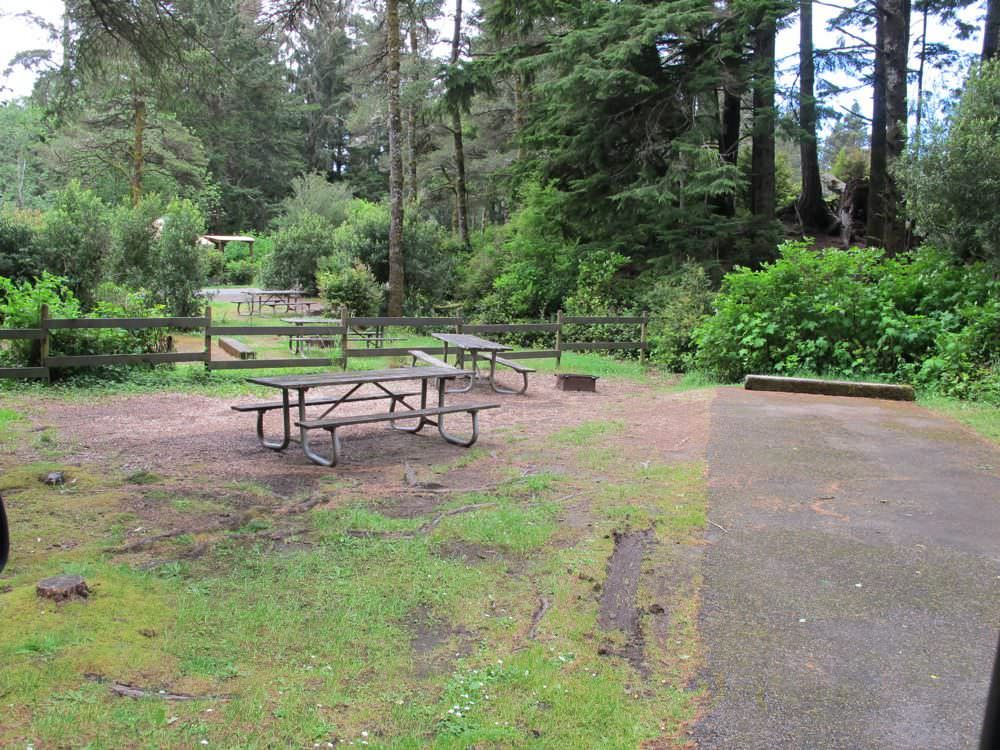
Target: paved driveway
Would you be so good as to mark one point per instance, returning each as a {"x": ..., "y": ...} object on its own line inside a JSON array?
[{"x": 853, "y": 600}]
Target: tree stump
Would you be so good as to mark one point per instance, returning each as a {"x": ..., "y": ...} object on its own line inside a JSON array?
[{"x": 62, "y": 587}]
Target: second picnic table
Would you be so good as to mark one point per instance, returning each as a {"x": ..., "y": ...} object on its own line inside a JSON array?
[{"x": 465, "y": 342}]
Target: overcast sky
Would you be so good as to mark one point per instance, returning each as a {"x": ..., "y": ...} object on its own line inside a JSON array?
[{"x": 17, "y": 34}]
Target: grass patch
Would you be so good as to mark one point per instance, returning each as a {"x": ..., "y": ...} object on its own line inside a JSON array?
[
  {"x": 355, "y": 626},
  {"x": 983, "y": 418}
]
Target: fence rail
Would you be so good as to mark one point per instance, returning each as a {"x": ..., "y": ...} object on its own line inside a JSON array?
[{"x": 341, "y": 333}]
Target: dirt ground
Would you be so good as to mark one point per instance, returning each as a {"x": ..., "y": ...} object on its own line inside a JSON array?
[{"x": 174, "y": 435}]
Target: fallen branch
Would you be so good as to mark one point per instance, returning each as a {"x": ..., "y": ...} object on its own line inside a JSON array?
[
  {"x": 125, "y": 690},
  {"x": 717, "y": 525},
  {"x": 302, "y": 507}
]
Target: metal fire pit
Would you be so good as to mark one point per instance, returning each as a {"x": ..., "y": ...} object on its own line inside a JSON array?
[{"x": 568, "y": 382}]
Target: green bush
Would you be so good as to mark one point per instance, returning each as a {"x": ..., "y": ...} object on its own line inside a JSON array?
[
  {"x": 951, "y": 184},
  {"x": 350, "y": 285},
  {"x": 132, "y": 250},
  {"x": 677, "y": 303},
  {"x": 180, "y": 271},
  {"x": 856, "y": 313},
  {"x": 851, "y": 163},
  {"x": 429, "y": 253},
  {"x": 298, "y": 247},
  {"x": 538, "y": 264},
  {"x": 313, "y": 194},
  {"x": 21, "y": 304},
  {"x": 19, "y": 260},
  {"x": 74, "y": 238}
]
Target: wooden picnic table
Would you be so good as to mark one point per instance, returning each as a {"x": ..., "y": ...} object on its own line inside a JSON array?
[
  {"x": 371, "y": 338},
  {"x": 480, "y": 348},
  {"x": 290, "y": 299},
  {"x": 381, "y": 385}
]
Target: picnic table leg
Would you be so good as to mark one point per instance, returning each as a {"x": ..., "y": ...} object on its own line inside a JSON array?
[
  {"x": 502, "y": 389},
  {"x": 422, "y": 421},
  {"x": 312, "y": 455},
  {"x": 286, "y": 423},
  {"x": 440, "y": 421}
]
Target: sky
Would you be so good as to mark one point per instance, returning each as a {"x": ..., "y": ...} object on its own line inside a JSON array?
[{"x": 17, "y": 34}]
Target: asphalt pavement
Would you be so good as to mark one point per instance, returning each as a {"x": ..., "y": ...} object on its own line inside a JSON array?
[{"x": 852, "y": 594}]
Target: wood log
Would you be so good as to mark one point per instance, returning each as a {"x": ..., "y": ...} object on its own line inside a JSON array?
[{"x": 829, "y": 387}]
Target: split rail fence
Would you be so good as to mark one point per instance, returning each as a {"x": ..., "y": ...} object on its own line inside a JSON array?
[{"x": 345, "y": 334}]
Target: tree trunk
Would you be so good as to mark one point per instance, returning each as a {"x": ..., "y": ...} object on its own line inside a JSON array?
[
  {"x": 876, "y": 183},
  {"x": 762, "y": 178},
  {"x": 813, "y": 211},
  {"x": 991, "y": 30},
  {"x": 411, "y": 122},
  {"x": 138, "y": 157},
  {"x": 897, "y": 47},
  {"x": 461, "y": 195},
  {"x": 519, "y": 113},
  {"x": 397, "y": 282}
]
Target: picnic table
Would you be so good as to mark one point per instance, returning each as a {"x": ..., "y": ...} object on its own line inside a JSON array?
[
  {"x": 258, "y": 299},
  {"x": 480, "y": 348},
  {"x": 370, "y": 337},
  {"x": 369, "y": 387}
]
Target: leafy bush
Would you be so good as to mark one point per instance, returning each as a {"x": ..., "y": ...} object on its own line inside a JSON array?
[
  {"x": 314, "y": 194},
  {"x": 349, "y": 284},
  {"x": 677, "y": 304},
  {"x": 180, "y": 271},
  {"x": 73, "y": 240},
  {"x": 857, "y": 313},
  {"x": 133, "y": 238},
  {"x": 539, "y": 265},
  {"x": 297, "y": 250},
  {"x": 18, "y": 258},
  {"x": 952, "y": 182},
  {"x": 21, "y": 304},
  {"x": 851, "y": 163},
  {"x": 429, "y": 253}
]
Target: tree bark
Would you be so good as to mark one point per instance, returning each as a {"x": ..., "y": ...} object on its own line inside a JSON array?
[
  {"x": 813, "y": 211},
  {"x": 138, "y": 157},
  {"x": 461, "y": 195},
  {"x": 397, "y": 281},
  {"x": 897, "y": 47},
  {"x": 762, "y": 179},
  {"x": 411, "y": 122},
  {"x": 991, "y": 30},
  {"x": 875, "y": 230}
]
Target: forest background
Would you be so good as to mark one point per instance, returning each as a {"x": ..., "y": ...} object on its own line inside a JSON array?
[{"x": 588, "y": 156}]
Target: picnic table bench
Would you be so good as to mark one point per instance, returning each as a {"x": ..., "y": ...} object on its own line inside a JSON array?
[
  {"x": 483, "y": 349},
  {"x": 400, "y": 410},
  {"x": 236, "y": 348}
]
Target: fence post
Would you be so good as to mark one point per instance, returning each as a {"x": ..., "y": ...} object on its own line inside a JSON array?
[
  {"x": 43, "y": 347},
  {"x": 208, "y": 337},
  {"x": 345, "y": 319},
  {"x": 642, "y": 336},
  {"x": 559, "y": 325}
]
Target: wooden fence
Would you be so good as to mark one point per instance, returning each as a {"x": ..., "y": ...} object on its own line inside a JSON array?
[{"x": 344, "y": 333}]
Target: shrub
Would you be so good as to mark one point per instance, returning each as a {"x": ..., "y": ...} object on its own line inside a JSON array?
[
  {"x": 677, "y": 304},
  {"x": 856, "y": 313},
  {"x": 133, "y": 238},
  {"x": 314, "y": 194},
  {"x": 18, "y": 258},
  {"x": 180, "y": 271},
  {"x": 428, "y": 252},
  {"x": 294, "y": 259},
  {"x": 952, "y": 182},
  {"x": 73, "y": 240},
  {"x": 851, "y": 163},
  {"x": 350, "y": 285},
  {"x": 539, "y": 264}
]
